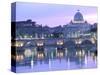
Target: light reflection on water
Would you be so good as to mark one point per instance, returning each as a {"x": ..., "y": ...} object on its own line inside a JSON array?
[
  {"x": 78, "y": 59},
  {"x": 60, "y": 64}
]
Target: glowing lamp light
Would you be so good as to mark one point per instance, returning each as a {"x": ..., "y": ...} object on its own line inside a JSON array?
[
  {"x": 19, "y": 44},
  {"x": 51, "y": 34},
  {"x": 93, "y": 40},
  {"x": 25, "y": 36},
  {"x": 60, "y": 54},
  {"x": 92, "y": 54},
  {"x": 40, "y": 55},
  {"x": 19, "y": 57},
  {"x": 27, "y": 53},
  {"x": 83, "y": 52},
  {"x": 76, "y": 53},
  {"x": 80, "y": 53},
  {"x": 60, "y": 42},
  {"x": 39, "y": 43},
  {"x": 31, "y": 36},
  {"x": 78, "y": 41}
]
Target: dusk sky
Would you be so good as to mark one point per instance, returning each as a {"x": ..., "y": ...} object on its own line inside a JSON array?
[{"x": 53, "y": 14}]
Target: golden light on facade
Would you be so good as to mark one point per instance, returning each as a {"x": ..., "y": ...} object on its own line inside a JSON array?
[
  {"x": 19, "y": 44},
  {"x": 27, "y": 53}
]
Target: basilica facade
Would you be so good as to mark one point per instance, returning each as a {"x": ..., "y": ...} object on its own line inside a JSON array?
[{"x": 77, "y": 27}]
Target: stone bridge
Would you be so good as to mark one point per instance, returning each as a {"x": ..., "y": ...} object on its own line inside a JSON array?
[{"x": 51, "y": 44}]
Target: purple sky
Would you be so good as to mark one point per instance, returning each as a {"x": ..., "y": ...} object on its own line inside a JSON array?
[{"x": 53, "y": 14}]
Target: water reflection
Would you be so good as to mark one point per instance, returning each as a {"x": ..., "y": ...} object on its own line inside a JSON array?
[{"x": 57, "y": 60}]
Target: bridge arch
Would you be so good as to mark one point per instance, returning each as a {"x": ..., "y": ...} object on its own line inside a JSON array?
[
  {"x": 70, "y": 45},
  {"x": 86, "y": 42},
  {"x": 87, "y": 45}
]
